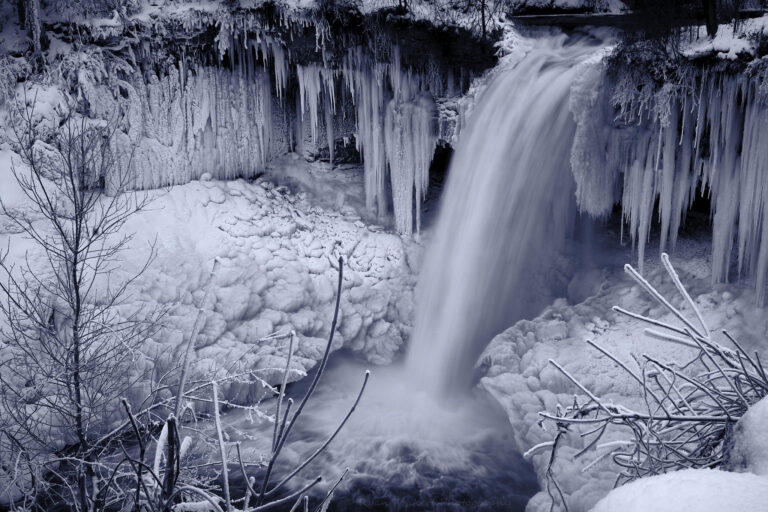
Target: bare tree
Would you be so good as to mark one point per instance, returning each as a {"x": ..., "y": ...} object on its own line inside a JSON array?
[{"x": 69, "y": 354}]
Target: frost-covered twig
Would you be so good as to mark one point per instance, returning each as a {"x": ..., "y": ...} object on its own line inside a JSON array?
[
  {"x": 689, "y": 409},
  {"x": 222, "y": 448},
  {"x": 191, "y": 342}
]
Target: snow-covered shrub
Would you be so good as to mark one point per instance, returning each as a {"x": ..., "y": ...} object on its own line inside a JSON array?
[
  {"x": 691, "y": 407},
  {"x": 12, "y": 69}
]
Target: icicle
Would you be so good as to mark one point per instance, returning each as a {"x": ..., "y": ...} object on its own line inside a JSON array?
[
  {"x": 705, "y": 134},
  {"x": 411, "y": 137},
  {"x": 310, "y": 88},
  {"x": 329, "y": 106},
  {"x": 365, "y": 83},
  {"x": 668, "y": 172},
  {"x": 281, "y": 68}
]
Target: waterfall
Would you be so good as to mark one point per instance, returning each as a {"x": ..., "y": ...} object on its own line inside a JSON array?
[{"x": 507, "y": 208}]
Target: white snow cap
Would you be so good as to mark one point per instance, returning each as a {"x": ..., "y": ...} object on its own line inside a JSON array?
[
  {"x": 750, "y": 441},
  {"x": 690, "y": 490}
]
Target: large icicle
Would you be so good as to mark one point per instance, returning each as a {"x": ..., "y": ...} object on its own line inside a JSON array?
[
  {"x": 365, "y": 81},
  {"x": 411, "y": 137},
  {"x": 396, "y": 132}
]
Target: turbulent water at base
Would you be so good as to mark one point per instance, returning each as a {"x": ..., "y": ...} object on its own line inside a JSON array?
[
  {"x": 405, "y": 451},
  {"x": 507, "y": 208}
]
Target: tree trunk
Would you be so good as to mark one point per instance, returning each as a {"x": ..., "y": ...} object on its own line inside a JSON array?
[
  {"x": 710, "y": 16},
  {"x": 482, "y": 16},
  {"x": 21, "y": 10},
  {"x": 34, "y": 25}
]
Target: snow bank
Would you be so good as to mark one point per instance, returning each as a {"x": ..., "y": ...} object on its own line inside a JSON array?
[{"x": 699, "y": 490}]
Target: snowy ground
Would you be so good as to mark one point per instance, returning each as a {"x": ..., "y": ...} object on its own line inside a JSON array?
[
  {"x": 524, "y": 383},
  {"x": 701, "y": 490},
  {"x": 731, "y": 41}
]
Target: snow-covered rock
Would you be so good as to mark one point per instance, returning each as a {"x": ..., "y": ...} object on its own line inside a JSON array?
[{"x": 694, "y": 490}]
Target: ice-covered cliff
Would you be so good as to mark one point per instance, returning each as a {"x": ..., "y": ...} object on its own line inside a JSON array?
[
  {"x": 656, "y": 148},
  {"x": 225, "y": 98}
]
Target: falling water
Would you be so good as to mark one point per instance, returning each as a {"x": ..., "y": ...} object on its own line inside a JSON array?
[
  {"x": 510, "y": 181},
  {"x": 507, "y": 208}
]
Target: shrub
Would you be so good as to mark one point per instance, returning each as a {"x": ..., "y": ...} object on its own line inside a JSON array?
[{"x": 691, "y": 408}]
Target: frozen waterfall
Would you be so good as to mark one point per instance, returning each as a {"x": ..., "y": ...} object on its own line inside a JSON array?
[
  {"x": 507, "y": 207},
  {"x": 229, "y": 118},
  {"x": 657, "y": 149}
]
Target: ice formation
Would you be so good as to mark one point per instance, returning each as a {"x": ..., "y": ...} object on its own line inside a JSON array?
[
  {"x": 230, "y": 118},
  {"x": 396, "y": 133},
  {"x": 703, "y": 137}
]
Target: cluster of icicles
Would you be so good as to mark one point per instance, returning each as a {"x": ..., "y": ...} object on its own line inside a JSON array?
[
  {"x": 708, "y": 136},
  {"x": 229, "y": 121}
]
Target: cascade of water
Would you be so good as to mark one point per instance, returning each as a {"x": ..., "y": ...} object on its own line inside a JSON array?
[{"x": 507, "y": 207}]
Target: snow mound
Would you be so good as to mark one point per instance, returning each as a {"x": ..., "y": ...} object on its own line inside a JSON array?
[
  {"x": 749, "y": 451},
  {"x": 277, "y": 270},
  {"x": 694, "y": 490}
]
